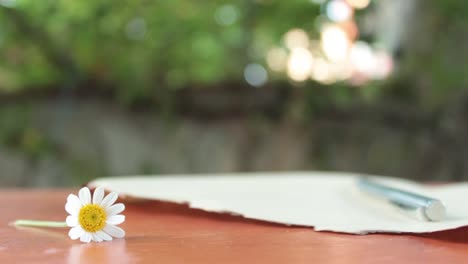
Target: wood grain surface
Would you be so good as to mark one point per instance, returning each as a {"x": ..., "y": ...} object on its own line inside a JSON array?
[{"x": 166, "y": 233}]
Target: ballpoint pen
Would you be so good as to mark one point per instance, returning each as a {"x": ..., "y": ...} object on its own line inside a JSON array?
[{"x": 425, "y": 208}]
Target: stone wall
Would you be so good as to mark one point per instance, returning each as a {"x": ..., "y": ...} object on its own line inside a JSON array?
[{"x": 87, "y": 139}]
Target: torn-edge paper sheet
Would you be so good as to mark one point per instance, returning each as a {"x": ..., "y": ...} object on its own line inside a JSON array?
[{"x": 327, "y": 201}]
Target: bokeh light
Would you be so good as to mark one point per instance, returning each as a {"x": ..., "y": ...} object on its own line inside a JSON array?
[
  {"x": 136, "y": 29},
  {"x": 384, "y": 65},
  {"x": 300, "y": 64},
  {"x": 350, "y": 28},
  {"x": 338, "y": 55},
  {"x": 358, "y": 4},
  {"x": 226, "y": 15},
  {"x": 341, "y": 71},
  {"x": 321, "y": 71},
  {"x": 295, "y": 38},
  {"x": 255, "y": 74},
  {"x": 362, "y": 58},
  {"x": 276, "y": 59},
  {"x": 339, "y": 10},
  {"x": 8, "y": 3},
  {"x": 335, "y": 43}
]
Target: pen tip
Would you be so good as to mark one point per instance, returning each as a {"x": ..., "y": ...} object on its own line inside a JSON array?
[{"x": 435, "y": 211}]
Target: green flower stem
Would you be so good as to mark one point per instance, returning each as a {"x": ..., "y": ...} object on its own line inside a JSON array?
[{"x": 22, "y": 222}]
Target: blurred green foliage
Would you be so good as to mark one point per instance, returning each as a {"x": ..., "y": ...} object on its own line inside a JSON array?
[
  {"x": 17, "y": 132},
  {"x": 148, "y": 49},
  {"x": 140, "y": 48},
  {"x": 432, "y": 72},
  {"x": 151, "y": 49}
]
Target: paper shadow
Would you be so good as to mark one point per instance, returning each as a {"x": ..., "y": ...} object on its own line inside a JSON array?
[
  {"x": 459, "y": 235},
  {"x": 168, "y": 208}
]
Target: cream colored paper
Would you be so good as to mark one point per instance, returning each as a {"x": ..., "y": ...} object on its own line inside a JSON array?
[{"x": 323, "y": 200}]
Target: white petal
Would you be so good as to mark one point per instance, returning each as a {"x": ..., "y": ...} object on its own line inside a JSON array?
[
  {"x": 115, "y": 219},
  {"x": 109, "y": 199},
  {"x": 98, "y": 195},
  {"x": 114, "y": 231},
  {"x": 85, "y": 195},
  {"x": 72, "y": 221},
  {"x": 85, "y": 237},
  {"x": 74, "y": 200},
  {"x": 115, "y": 209},
  {"x": 75, "y": 232},
  {"x": 96, "y": 238},
  {"x": 104, "y": 236},
  {"x": 73, "y": 204},
  {"x": 71, "y": 209}
]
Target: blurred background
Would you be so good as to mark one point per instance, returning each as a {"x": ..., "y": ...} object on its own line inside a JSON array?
[{"x": 105, "y": 88}]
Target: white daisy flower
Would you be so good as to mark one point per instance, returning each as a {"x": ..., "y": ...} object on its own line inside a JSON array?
[{"x": 94, "y": 219}]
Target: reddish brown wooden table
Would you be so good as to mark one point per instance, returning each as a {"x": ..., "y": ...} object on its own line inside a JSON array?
[{"x": 165, "y": 233}]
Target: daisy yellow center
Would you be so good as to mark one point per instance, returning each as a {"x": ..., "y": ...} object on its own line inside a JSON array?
[{"x": 92, "y": 217}]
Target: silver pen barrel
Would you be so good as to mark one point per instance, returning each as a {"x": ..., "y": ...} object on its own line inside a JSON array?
[{"x": 425, "y": 208}]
